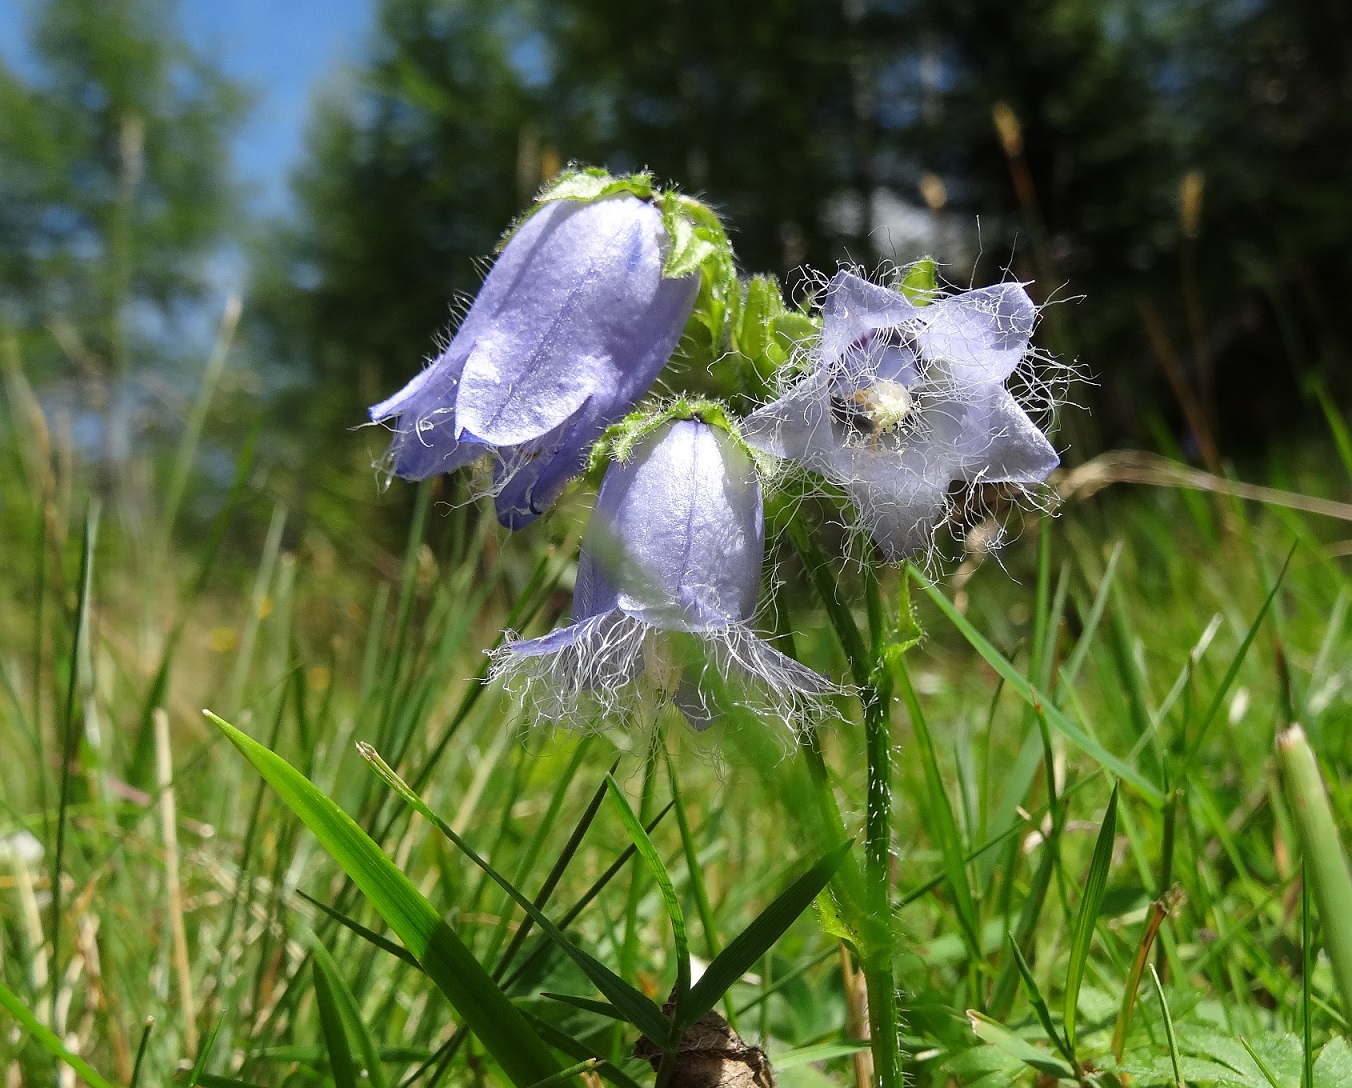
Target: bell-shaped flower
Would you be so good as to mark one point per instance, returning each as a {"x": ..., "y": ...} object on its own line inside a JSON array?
[
  {"x": 668, "y": 576},
  {"x": 570, "y": 329},
  {"x": 902, "y": 401}
]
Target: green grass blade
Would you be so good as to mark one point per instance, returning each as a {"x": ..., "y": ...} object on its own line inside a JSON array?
[
  {"x": 1195, "y": 741},
  {"x": 589, "y": 1004},
  {"x": 368, "y": 935},
  {"x": 754, "y": 941},
  {"x": 341, "y": 1065},
  {"x": 941, "y": 814},
  {"x": 346, "y": 1003},
  {"x": 70, "y": 738},
  {"x": 493, "y": 1018},
  {"x": 1168, "y": 1028},
  {"x": 48, "y": 1041},
  {"x": 1091, "y": 902},
  {"x": 634, "y": 826},
  {"x": 822, "y": 1052},
  {"x": 1034, "y": 697},
  {"x": 640, "y": 1010},
  {"x": 141, "y": 1052},
  {"x": 997, "y": 1035},
  {"x": 1044, "y": 1016}
]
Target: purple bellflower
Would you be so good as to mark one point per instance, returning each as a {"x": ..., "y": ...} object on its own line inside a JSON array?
[
  {"x": 668, "y": 575},
  {"x": 570, "y": 329},
  {"x": 902, "y": 401}
]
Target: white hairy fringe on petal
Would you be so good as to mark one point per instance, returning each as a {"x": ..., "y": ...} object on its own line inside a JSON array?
[{"x": 602, "y": 672}]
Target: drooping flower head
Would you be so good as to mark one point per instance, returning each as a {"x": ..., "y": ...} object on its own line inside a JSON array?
[
  {"x": 570, "y": 329},
  {"x": 668, "y": 576},
  {"x": 903, "y": 401}
]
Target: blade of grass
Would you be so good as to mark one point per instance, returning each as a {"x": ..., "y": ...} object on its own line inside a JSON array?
[
  {"x": 634, "y": 827},
  {"x": 758, "y": 937},
  {"x": 47, "y": 1040},
  {"x": 942, "y": 820},
  {"x": 70, "y": 738},
  {"x": 1086, "y": 919},
  {"x": 640, "y": 1010},
  {"x": 1040, "y": 1010},
  {"x": 341, "y": 1066},
  {"x": 1195, "y": 741},
  {"x": 997, "y": 1035},
  {"x": 1168, "y": 1027},
  {"x": 498, "y": 1023},
  {"x": 1033, "y": 697},
  {"x": 345, "y": 1003}
]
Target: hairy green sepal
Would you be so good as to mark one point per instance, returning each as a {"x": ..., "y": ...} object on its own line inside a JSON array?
[{"x": 620, "y": 439}]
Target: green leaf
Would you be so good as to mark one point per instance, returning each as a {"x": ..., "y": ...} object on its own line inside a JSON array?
[
  {"x": 369, "y": 935},
  {"x": 1035, "y": 698},
  {"x": 754, "y": 941},
  {"x": 1030, "y": 986},
  {"x": 588, "y": 1004},
  {"x": 1091, "y": 902},
  {"x": 634, "y": 826},
  {"x": 346, "y": 1004},
  {"x": 341, "y": 1065},
  {"x": 496, "y": 1022},
  {"x": 1333, "y": 1067},
  {"x": 48, "y": 1041},
  {"x": 945, "y": 824},
  {"x": 822, "y": 1052},
  {"x": 637, "y": 1008},
  {"x": 997, "y": 1035}
]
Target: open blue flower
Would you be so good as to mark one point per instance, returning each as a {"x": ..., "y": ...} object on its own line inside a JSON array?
[
  {"x": 904, "y": 401},
  {"x": 569, "y": 331},
  {"x": 669, "y": 573}
]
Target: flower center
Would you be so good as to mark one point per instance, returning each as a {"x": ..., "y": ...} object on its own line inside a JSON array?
[{"x": 884, "y": 409}]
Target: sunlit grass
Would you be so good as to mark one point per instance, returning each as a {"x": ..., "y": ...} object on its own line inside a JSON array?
[{"x": 1137, "y": 630}]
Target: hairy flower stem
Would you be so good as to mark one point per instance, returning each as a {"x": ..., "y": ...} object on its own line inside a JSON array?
[{"x": 877, "y": 962}]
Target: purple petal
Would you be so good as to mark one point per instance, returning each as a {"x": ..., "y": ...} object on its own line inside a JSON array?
[
  {"x": 677, "y": 538},
  {"x": 854, "y": 309},
  {"x": 576, "y": 307},
  {"x": 1014, "y": 449},
  {"x": 979, "y": 336},
  {"x": 793, "y": 424}
]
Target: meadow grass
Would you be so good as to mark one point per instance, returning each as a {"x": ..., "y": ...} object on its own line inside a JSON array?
[{"x": 1085, "y": 798}]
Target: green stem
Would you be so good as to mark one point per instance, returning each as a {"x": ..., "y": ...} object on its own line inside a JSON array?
[{"x": 877, "y": 963}]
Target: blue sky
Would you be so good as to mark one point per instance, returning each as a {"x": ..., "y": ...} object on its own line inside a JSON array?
[{"x": 282, "y": 50}]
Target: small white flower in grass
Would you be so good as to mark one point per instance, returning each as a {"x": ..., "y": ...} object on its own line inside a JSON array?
[
  {"x": 668, "y": 576},
  {"x": 903, "y": 401}
]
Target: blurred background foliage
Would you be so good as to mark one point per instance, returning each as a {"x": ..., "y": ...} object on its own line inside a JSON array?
[{"x": 1172, "y": 176}]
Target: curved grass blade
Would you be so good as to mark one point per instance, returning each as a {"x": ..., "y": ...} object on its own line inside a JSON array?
[
  {"x": 753, "y": 942},
  {"x": 493, "y": 1018},
  {"x": 368, "y": 935},
  {"x": 997, "y": 1035},
  {"x": 1091, "y": 902},
  {"x": 1195, "y": 741},
  {"x": 1035, "y": 698},
  {"x": 346, "y": 1004},
  {"x": 601, "y": 1008},
  {"x": 48, "y": 1041},
  {"x": 648, "y": 852},
  {"x": 341, "y": 1065},
  {"x": 637, "y": 1008},
  {"x": 1044, "y": 1016}
]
